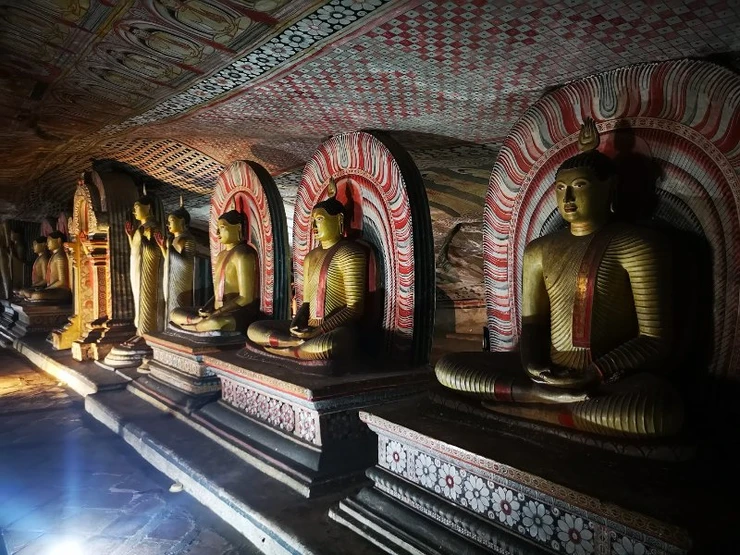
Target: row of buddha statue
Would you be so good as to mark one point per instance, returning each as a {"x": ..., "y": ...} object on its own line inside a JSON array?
[
  {"x": 596, "y": 305},
  {"x": 323, "y": 327},
  {"x": 49, "y": 274}
]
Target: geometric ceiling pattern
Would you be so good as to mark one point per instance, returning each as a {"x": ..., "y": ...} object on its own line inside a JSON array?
[{"x": 177, "y": 89}]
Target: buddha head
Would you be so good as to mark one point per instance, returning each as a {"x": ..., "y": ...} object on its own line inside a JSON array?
[
  {"x": 54, "y": 241},
  {"x": 39, "y": 245},
  {"x": 327, "y": 217},
  {"x": 584, "y": 183},
  {"x": 179, "y": 220},
  {"x": 229, "y": 227},
  {"x": 143, "y": 208}
]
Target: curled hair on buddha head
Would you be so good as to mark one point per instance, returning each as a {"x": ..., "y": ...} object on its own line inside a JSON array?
[
  {"x": 57, "y": 235},
  {"x": 331, "y": 205},
  {"x": 234, "y": 217},
  {"x": 181, "y": 213},
  {"x": 145, "y": 199},
  {"x": 40, "y": 240},
  {"x": 590, "y": 158}
]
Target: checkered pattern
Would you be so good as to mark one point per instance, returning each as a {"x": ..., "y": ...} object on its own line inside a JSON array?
[{"x": 461, "y": 71}]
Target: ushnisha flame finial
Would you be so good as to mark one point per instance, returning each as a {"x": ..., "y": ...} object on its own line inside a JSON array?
[
  {"x": 588, "y": 138},
  {"x": 182, "y": 204},
  {"x": 143, "y": 189},
  {"x": 332, "y": 188}
]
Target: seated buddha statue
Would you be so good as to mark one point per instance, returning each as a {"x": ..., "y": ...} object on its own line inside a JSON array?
[
  {"x": 56, "y": 286},
  {"x": 236, "y": 298},
  {"x": 335, "y": 292},
  {"x": 38, "y": 272},
  {"x": 178, "y": 250},
  {"x": 596, "y": 320}
]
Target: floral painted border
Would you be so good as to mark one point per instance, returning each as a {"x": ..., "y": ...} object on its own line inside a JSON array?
[
  {"x": 327, "y": 21},
  {"x": 507, "y": 506}
]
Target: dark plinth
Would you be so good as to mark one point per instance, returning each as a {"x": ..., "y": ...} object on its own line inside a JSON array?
[
  {"x": 463, "y": 473},
  {"x": 23, "y": 317},
  {"x": 300, "y": 428},
  {"x": 177, "y": 376}
]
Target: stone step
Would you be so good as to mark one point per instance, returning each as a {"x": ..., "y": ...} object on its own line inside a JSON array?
[
  {"x": 84, "y": 377},
  {"x": 268, "y": 513}
]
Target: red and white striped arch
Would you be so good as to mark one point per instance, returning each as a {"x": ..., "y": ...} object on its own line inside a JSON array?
[
  {"x": 366, "y": 171},
  {"x": 687, "y": 114},
  {"x": 239, "y": 188}
]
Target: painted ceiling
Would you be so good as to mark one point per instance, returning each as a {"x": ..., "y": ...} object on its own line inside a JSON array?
[{"x": 177, "y": 89}]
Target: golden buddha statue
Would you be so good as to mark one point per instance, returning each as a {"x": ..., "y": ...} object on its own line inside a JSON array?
[
  {"x": 334, "y": 295},
  {"x": 178, "y": 251},
  {"x": 38, "y": 272},
  {"x": 235, "y": 284},
  {"x": 596, "y": 320},
  {"x": 145, "y": 269},
  {"x": 56, "y": 284}
]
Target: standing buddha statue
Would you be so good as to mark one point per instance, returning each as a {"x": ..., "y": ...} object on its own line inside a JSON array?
[
  {"x": 57, "y": 286},
  {"x": 145, "y": 268},
  {"x": 178, "y": 251},
  {"x": 38, "y": 272},
  {"x": 335, "y": 294},
  {"x": 236, "y": 295},
  {"x": 596, "y": 319}
]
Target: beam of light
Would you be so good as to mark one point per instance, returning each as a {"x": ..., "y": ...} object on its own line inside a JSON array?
[{"x": 66, "y": 547}]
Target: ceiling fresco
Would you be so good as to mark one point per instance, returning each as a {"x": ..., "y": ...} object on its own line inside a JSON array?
[{"x": 175, "y": 90}]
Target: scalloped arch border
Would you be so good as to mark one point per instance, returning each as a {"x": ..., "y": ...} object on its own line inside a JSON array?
[
  {"x": 268, "y": 230},
  {"x": 691, "y": 108},
  {"x": 398, "y": 207}
]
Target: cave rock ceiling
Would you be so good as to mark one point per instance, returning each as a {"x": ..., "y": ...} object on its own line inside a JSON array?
[{"x": 177, "y": 89}]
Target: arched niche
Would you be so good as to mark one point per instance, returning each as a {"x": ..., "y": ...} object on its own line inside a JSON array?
[
  {"x": 248, "y": 188},
  {"x": 683, "y": 117},
  {"x": 387, "y": 207}
]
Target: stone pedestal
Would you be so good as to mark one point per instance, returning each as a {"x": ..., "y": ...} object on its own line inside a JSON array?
[
  {"x": 8, "y": 316},
  {"x": 448, "y": 481},
  {"x": 20, "y": 318},
  {"x": 299, "y": 428},
  {"x": 177, "y": 375}
]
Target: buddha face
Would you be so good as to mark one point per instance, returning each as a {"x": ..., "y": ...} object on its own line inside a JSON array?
[
  {"x": 325, "y": 226},
  {"x": 39, "y": 248},
  {"x": 141, "y": 211},
  {"x": 582, "y": 198},
  {"x": 54, "y": 243},
  {"x": 175, "y": 224},
  {"x": 227, "y": 233}
]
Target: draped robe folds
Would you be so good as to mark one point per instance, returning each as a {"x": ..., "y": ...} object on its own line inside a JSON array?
[
  {"x": 38, "y": 272},
  {"x": 178, "y": 273},
  {"x": 335, "y": 290},
  {"x": 146, "y": 274}
]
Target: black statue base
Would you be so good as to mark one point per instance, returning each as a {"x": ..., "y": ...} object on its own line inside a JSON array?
[
  {"x": 175, "y": 373},
  {"x": 21, "y": 317},
  {"x": 298, "y": 427}
]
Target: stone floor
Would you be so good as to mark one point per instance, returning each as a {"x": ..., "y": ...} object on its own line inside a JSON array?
[{"x": 70, "y": 486}]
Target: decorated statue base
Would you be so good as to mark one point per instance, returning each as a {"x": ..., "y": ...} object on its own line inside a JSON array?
[
  {"x": 129, "y": 354},
  {"x": 449, "y": 481},
  {"x": 300, "y": 428},
  {"x": 99, "y": 338},
  {"x": 20, "y": 317},
  {"x": 176, "y": 375}
]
